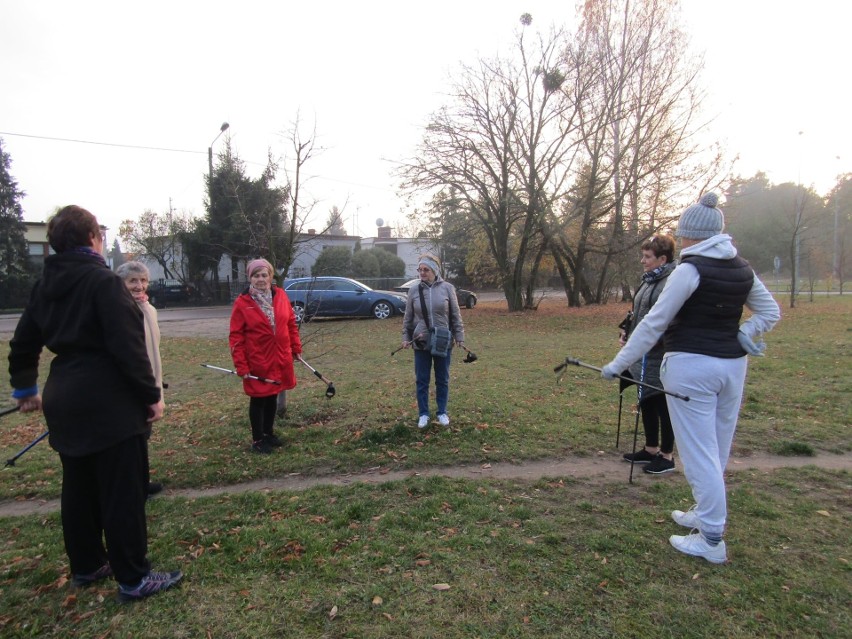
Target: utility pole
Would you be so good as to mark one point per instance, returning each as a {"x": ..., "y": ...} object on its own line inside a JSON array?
[{"x": 835, "y": 265}]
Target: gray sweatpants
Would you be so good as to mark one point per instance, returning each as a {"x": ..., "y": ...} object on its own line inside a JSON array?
[{"x": 704, "y": 426}]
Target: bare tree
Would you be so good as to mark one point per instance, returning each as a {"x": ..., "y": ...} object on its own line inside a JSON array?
[
  {"x": 636, "y": 87},
  {"x": 805, "y": 215},
  {"x": 302, "y": 149},
  {"x": 502, "y": 145},
  {"x": 158, "y": 236}
]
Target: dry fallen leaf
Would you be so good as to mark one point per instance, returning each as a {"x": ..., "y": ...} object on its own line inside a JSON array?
[
  {"x": 378, "y": 601},
  {"x": 333, "y": 612},
  {"x": 824, "y": 513},
  {"x": 441, "y": 586}
]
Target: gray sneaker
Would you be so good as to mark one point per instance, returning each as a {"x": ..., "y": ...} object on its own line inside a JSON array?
[
  {"x": 150, "y": 584},
  {"x": 686, "y": 519},
  {"x": 80, "y": 581}
]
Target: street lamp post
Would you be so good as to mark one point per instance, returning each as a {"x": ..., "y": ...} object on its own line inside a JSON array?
[
  {"x": 222, "y": 129},
  {"x": 794, "y": 285},
  {"x": 835, "y": 265}
]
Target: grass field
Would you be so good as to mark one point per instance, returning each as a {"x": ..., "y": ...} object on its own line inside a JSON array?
[{"x": 550, "y": 558}]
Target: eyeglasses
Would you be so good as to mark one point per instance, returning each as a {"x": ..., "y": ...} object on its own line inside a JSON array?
[{"x": 424, "y": 270}]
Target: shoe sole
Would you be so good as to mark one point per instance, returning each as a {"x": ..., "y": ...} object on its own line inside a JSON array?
[{"x": 659, "y": 472}]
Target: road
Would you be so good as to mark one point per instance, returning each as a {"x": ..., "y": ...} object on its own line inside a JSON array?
[
  {"x": 174, "y": 322},
  {"x": 212, "y": 321}
]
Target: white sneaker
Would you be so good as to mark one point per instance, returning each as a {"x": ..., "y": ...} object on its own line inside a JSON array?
[
  {"x": 444, "y": 419},
  {"x": 687, "y": 519},
  {"x": 697, "y": 546},
  {"x": 423, "y": 422}
]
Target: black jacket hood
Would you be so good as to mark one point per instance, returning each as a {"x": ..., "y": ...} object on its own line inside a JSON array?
[{"x": 63, "y": 272}]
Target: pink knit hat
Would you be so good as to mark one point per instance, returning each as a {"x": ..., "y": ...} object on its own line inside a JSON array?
[{"x": 259, "y": 263}]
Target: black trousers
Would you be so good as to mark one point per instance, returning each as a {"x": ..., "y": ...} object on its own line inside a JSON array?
[
  {"x": 262, "y": 415},
  {"x": 103, "y": 510},
  {"x": 657, "y": 423}
]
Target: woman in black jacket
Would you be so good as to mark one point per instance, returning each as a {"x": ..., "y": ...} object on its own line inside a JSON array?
[
  {"x": 658, "y": 263},
  {"x": 99, "y": 400}
]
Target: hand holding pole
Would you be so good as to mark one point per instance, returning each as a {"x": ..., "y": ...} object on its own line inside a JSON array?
[{"x": 576, "y": 362}]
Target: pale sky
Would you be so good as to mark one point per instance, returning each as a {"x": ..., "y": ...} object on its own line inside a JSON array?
[{"x": 367, "y": 74}]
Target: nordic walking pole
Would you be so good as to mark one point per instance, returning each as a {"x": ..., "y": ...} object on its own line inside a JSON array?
[
  {"x": 577, "y": 362},
  {"x": 413, "y": 339},
  {"x": 9, "y": 411},
  {"x": 228, "y": 370},
  {"x": 11, "y": 461},
  {"x": 329, "y": 390},
  {"x": 471, "y": 356}
]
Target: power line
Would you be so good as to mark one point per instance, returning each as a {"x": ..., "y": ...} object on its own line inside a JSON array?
[
  {"x": 125, "y": 146},
  {"x": 156, "y": 148}
]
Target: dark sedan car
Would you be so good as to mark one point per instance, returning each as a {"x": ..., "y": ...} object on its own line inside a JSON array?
[
  {"x": 466, "y": 298},
  {"x": 162, "y": 292},
  {"x": 340, "y": 297}
]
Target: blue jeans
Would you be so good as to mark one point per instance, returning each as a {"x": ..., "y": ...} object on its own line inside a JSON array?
[{"x": 423, "y": 362}]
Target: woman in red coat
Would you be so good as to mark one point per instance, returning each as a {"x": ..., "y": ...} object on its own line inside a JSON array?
[{"x": 264, "y": 342}]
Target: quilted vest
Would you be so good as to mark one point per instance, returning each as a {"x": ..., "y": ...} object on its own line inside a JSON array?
[{"x": 709, "y": 320}]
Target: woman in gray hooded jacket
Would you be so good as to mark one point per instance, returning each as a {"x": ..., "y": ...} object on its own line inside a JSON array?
[{"x": 431, "y": 303}]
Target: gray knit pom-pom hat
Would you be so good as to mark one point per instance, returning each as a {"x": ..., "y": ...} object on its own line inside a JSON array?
[{"x": 702, "y": 220}]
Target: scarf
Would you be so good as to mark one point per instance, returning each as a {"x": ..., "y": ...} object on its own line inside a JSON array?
[
  {"x": 264, "y": 301},
  {"x": 140, "y": 297},
  {"x": 87, "y": 250},
  {"x": 653, "y": 275}
]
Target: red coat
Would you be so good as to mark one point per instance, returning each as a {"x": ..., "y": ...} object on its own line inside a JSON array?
[{"x": 256, "y": 350}]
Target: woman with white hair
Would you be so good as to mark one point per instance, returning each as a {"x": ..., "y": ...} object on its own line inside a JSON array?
[{"x": 136, "y": 277}]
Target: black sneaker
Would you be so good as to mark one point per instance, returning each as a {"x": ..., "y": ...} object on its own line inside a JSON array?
[
  {"x": 81, "y": 581},
  {"x": 273, "y": 441},
  {"x": 151, "y": 584},
  {"x": 660, "y": 465},
  {"x": 154, "y": 487},
  {"x": 261, "y": 446},
  {"x": 640, "y": 457}
]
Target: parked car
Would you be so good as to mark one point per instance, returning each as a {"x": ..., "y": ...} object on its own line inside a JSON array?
[
  {"x": 163, "y": 291},
  {"x": 340, "y": 297},
  {"x": 466, "y": 298}
]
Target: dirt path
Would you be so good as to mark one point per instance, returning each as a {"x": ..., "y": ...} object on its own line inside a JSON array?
[{"x": 591, "y": 469}]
